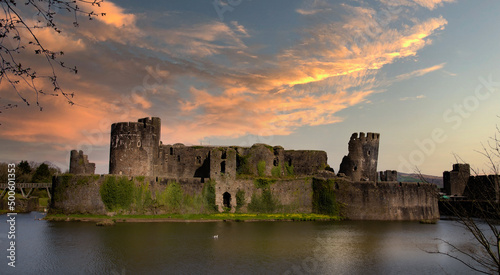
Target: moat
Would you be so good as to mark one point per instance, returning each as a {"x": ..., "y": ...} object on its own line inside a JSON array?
[{"x": 347, "y": 247}]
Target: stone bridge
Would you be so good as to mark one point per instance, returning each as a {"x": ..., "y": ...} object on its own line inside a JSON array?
[{"x": 23, "y": 187}]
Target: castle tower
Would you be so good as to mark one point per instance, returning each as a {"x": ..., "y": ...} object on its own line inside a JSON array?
[
  {"x": 79, "y": 163},
  {"x": 361, "y": 162},
  {"x": 455, "y": 181},
  {"x": 135, "y": 147}
]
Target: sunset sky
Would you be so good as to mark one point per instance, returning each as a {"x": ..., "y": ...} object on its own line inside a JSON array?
[{"x": 425, "y": 74}]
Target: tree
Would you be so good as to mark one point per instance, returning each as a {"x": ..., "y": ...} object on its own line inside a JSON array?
[
  {"x": 24, "y": 167},
  {"x": 42, "y": 174},
  {"x": 18, "y": 39},
  {"x": 480, "y": 216}
]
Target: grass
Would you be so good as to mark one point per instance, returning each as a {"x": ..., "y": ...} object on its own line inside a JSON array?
[
  {"x": 43, "y": 202},
  {"x": 198, "y": 217}
]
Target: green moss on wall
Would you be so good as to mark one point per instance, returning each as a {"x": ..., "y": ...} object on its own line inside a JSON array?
[
  {"x": 142, "y": 197},
  {"x": 243, "y": 166},
  {"x": 324, "y": 199},
  {"x": 270, "y": 148},
  {"x": 289, "y": 170},
  {"x": 117, "y": 192},
  {"x": 265, "y": 203},
  {"x": 263, "y": 183},
  {"x": 240, "y": 199},
  {"x": 208, "y": 194},
  {"x": 173, "y": 197},
  {"x": 83, "y": 180},
  {"x": 64, "y": 182},
  {"x": 276, "y": 171},
  {"x": 140, "y": 179},
  {"x": 261, "y": 168}
]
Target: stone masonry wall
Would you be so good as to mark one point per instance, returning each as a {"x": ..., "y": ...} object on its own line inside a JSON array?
[
  {"x": 360, "y": 200},
  {"x": 295, "y": 195},
  {"x": 389, "y": 201}
]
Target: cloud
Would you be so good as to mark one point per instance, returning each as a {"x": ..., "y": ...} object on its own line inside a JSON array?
[
  {"x": 420, "y": 72},
  {"x": 209, "y": 78},
  {"x": 432, "y": 4},
  {"x": 114, "y": 15},
  {"x": 311, "y": 12},
  {"x": 413, "y": 98},
  {"x": 429, "y": 4}
]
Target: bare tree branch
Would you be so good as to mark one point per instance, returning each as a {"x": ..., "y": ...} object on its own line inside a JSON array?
[{"x": 18, "y": 39}]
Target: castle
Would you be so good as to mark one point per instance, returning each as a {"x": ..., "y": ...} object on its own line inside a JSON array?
[
  {"x": 298, "y": 180},
  {"x": 136, "y": 149}
]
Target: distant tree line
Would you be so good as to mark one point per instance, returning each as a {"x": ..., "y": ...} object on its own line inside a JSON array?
[{"x": 30, "y": 172}]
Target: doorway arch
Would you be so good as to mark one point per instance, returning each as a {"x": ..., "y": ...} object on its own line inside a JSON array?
[{"x": 226, "y": 200}]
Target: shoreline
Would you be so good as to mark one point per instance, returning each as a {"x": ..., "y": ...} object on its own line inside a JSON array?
[{"x": 192, "y": 218}]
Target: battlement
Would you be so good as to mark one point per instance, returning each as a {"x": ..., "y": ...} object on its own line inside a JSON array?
[
  {"x": 365, "y": 138},
  {"x": 461, "y": 167},
  {"x": 136, "y": 127},
  {"x": 147, "y": 121}
]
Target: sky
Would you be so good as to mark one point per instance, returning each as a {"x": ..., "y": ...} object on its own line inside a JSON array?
[{"x": 303, "y": 74}]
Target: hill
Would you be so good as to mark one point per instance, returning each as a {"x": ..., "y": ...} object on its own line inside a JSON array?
[{"x": 403, "y": 177}]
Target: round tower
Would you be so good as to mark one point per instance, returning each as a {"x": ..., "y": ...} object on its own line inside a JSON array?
[{"x": 134, "y": 148}]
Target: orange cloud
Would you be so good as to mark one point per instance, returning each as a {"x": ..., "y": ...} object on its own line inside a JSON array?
[
  {"x": 432, "y": 4},
  {"x": 332, "y": 67},
  {"x": 421, "y": 72},
  {"x": 429, "y": 4},
  {"x": 115, "y": 15}
]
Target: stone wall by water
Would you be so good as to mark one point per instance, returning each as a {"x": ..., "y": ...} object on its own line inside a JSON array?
[
  {"x": 388, "y": 200},
  {"x": 74, "y": 194}
]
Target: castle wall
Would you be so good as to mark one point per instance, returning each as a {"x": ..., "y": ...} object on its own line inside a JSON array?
[
  {"x": 292, "y": 195},
  {"x": 306, "y": 162},
  {"x": 361, "y": 162},
  {"x": 483, "y": 188},
  {"x": 261, "y": 153},
  {"x": 179, "y": 161},
  {"x": 360, "y": 200},
  {"x": 389, "y": 201},
  {"x": 78, "y": 194},
  {"x": 222, "y": 163}
]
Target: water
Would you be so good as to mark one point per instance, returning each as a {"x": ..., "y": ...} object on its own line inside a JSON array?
[{"x": 242, "y": 248}]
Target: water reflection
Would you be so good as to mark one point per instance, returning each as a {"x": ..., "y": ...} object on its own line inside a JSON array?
[{"x": 242, "y": 248}]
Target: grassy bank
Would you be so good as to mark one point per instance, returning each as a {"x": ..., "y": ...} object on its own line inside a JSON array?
[{"x": 195, "y": 217}]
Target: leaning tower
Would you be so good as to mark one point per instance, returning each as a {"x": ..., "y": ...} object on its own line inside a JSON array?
[
  {"x": 361, "y": 162},
  {"x": 135, "y": 147}
]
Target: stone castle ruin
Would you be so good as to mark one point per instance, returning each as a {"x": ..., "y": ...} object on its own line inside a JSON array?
[
  {"x": 361, "y": 162},
  {"x": 298, "y": 180},
  {"x": 79, "y": 163},
  {"x": 137, "y": 150},
  {"x": 460, "y": 184}
]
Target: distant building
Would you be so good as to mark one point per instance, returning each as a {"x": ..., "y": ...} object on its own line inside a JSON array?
[
  {"x": 455, "y": 181},
  {"x": 459, "y": 182}
]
